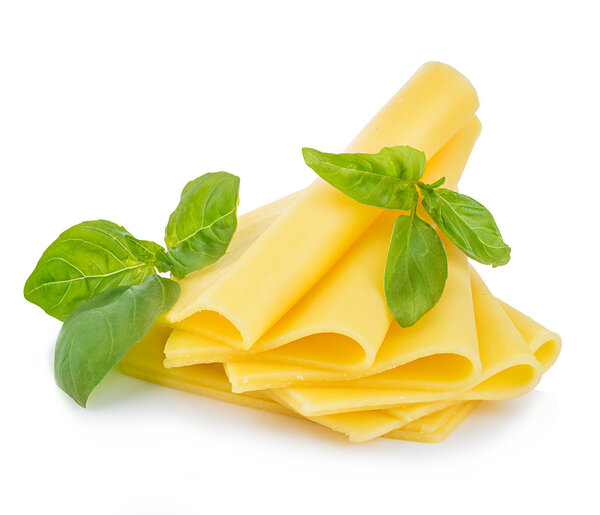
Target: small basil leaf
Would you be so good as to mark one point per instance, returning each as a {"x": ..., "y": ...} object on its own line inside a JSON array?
[
  {"x": 98, "y": 334},
  {"x": 201, "y": 227},
  {"x": 379, "y": 180},
  {"x": 86, "y": 259},
  {"x": 162, "y": 261},
  {"x": 468, "y": 224},
  {"x": 415, "y": 271},
  {"x": 433, "y": 185}
]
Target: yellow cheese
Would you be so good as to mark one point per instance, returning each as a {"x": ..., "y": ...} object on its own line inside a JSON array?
[
  {"x": 144, "y": 361},
  {"x": 435, "y": 428},
  {"x": 409, "y": 421},
  {"x": 544, "y": 344},
  {"x": 431, "y": 107},
  {"x": 296, "y": 311},
  {"x": 509, "y": 369},
  {"x": 322, "y": 223},
  {"x": 361, "y": 426},
  {"x": 341, "y": 322},
  {"x": 250, "y": 227},
  {"x": 441, "y": 351}
]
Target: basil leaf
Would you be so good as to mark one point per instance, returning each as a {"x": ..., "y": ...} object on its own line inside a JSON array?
[
  {"x": 86, "y": 259},
  {"x": 382, "y": 180},
  {"x": 98, "y": 334},
  {"x": 415, "y": 271},
  {"x": 468, "y": 224},
  {"x": 201, "y": 227}
]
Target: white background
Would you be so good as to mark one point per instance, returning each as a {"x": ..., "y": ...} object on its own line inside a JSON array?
[{"x": 108, "y": 108}]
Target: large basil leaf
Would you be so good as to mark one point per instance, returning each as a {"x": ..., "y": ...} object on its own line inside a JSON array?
[
  {"x": 87, "y": 259},
  {"x": 201, "y": 227},
  {"x": 98, "y": 334},
  {"x": 468, "y": 224},
  {"x": 385, "y": 180},
  {"x": 415, "y": 271}
]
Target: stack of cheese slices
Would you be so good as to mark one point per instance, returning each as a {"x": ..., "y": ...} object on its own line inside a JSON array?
[{"x": 293, "y": 319}]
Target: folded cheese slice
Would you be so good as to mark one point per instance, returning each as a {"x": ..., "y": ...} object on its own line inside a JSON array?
[
  {"x": 341, "y": 322},
  {"x": 544, "y": 344},
  {"x": 433, "y": 421},
  {"x": 250, "y": 226},
  {"x": 436, "y": 427},
  {"x": 440, "y": 352},
  {"x": 509, "y": 366},
  {"x": 361, "y": 426},
  {"x": 144, "y": 361},
  {"x": 276, "y": 271}
]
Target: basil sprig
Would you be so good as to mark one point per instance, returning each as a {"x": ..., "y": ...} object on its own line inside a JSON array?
[
  {"x": 416, "y": 267},
  {"x": 101, "y": 280},
  {"x": 95, "y": 256}
]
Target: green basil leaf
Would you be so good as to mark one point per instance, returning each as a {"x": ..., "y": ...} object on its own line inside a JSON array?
[
  {"x": 87, "y": 259},
  {"x": 415, "y": 271},
  {"x": 468, "y": 224},
  {"x": 384, "y": 180},
  {"x": 201, "y": 227},
  {"x": 98, "y": 334}
]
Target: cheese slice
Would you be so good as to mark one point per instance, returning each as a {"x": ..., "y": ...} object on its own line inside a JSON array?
[
  {"x": 406, "y": 421},
  {"x": 250, "y": 226},
  {"x": 341, "y": 322},
  {"x": 441, "y": 351},
  {"x": 544, "y": 344},
  {"x": 144, "y": 361},
  {"x": 361, "y": 426},
  {"x": 436, "y": 427},
  {"x": 509, "y": 369},
  {"x": 322, "y": 223}
]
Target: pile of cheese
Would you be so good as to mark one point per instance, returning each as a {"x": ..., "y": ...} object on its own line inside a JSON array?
[{"x": 293, "y": 318}]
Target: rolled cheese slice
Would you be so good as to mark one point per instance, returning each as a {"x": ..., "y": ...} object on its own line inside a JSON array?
[
  {"x": 341, "y": 322},
  {"x": 240, "y": 306}
]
